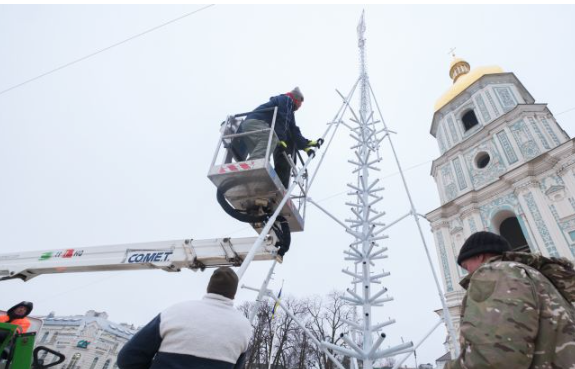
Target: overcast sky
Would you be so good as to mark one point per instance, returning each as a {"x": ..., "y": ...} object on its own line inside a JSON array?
[{"x": 116, "y": 148}]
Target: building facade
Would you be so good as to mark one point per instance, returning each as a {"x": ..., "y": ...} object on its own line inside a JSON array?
[
  {"x": 88, "y": 341},
  {"x": 506, "y": 166}
]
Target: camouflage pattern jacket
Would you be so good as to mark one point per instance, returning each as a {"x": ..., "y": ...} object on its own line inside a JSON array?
[{"x": 518, "y": 312}]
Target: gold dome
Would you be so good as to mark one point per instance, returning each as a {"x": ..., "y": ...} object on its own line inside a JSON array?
[{"x": 463, "y": 80}]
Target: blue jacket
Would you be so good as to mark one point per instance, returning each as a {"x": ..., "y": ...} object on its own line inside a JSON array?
[
  {"x": 285, "y": 127},
  {"x": 205, "y": 334}
]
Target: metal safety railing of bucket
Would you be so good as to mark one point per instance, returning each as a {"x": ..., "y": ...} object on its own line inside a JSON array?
[{"x": 232, "y": 148}]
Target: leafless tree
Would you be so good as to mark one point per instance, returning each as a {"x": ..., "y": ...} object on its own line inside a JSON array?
[
  {"x": 277, "y": 338},
  {"x": 326, "y": 323}
]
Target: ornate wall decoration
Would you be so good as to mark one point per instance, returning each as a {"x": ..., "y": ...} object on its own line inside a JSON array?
[
  {"x": 540, "y": 223},
  {"x": 507, "y": 148},
  {"x": 472, "y": 226},
  {"x": 551, "y": 182},
  {"x": 564, "y": 225},
  {"x": 491, "y": 172},
  {"x": 459, "y": 240},
  {"x": 538, "y": 133},
  {"x": 446, "y": 135},
  {"x": 456, "y": 226},
  {"x": 492, "y": 103},
  {"x": 448, "y": 183},
  {"x": 452, "y": 129},
  {"x": 507, "y": 202},
  {"x": 444, "y": 262},
  {"x": 483, "y": 108},
  {"x": 459, "y": 174},
  {"x": 554, "y": 212},
  {"x": 440, "y": 141},
  {"x": 505, "y": 97},
  {"x": 524, "y": 140},
  {"x": 557, "y": 194},
  {"x": 550, "y": 131}
]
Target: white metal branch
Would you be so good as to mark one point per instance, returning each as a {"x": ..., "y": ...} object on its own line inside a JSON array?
[
  {"x": 376, "y": 345},
  {"x": 381, "y": 325},
  {"x": 352, "y": 344},
  {"x": 353, "y": 324},
  {"x": 383, "y": 300},
  {"x": 393, "y": 350},
  {"x": 341, "y": 350}
]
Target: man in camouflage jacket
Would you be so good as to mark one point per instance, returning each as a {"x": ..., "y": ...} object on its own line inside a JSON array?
[{"x": 519, "y": 309}]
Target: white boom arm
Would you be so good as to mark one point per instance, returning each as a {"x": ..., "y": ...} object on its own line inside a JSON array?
[{"x": 170, "y": 256}]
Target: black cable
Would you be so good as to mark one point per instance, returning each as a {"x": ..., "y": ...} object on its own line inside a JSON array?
[
  {"x": 280, "y": 227},
  {"x": 237, "y": 214},
  {"x": 104, "y": 49}
]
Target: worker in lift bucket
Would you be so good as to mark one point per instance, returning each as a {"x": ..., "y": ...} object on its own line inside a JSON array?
[{"x": 289, "y": 137}]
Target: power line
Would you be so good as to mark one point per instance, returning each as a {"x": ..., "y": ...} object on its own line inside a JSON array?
[
  {"x": 79, "y": 287},
  {"x": 566, "y": 111},
  {"x": 105, "y": 49},
  {"x": 384, "y": 177}
]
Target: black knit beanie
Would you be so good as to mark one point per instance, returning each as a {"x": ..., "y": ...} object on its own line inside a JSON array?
[
  {"x": 483, "y": 243},
  {"x": 224, "y": 282}
]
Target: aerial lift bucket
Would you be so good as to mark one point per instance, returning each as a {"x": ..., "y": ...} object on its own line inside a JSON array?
[{"x": 253, "y": 187}]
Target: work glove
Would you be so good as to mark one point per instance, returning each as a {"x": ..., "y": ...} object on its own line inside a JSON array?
[
  {"x": 318, "y": 143},
  {"x": 282, "y": 146},
  {"x": 309, "y": 151}
]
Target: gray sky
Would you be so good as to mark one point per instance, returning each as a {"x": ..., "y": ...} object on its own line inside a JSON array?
[{"x": 116, "y": 149}]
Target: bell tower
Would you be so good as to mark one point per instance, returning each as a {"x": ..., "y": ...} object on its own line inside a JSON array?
[{"x": 505, "y": 166}]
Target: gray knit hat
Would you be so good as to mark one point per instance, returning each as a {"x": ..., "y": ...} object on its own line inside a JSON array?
[
  {"x": 224, "y": 282},
  {"x": 297, "y": 94}
]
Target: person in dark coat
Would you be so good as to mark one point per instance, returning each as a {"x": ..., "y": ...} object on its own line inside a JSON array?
[
  {"x": 207, "y": 334},
  {"x": 17, "y": 315},
  {"x": 289, "y": 137}
]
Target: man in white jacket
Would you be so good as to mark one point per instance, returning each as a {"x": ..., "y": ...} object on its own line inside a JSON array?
[{"x": 207, "y": 334}]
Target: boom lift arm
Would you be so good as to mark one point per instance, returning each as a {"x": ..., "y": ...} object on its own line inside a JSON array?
[
  {"x": 249, "y": 190},
  {"x": 171, "y": 256}
]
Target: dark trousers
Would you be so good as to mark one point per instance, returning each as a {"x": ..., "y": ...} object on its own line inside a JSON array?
[{"x": 282, "y": 167}]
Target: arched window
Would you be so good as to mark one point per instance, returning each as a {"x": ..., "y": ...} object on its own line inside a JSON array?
[
  {"x": 44, "y": 337},
  {"x": 94, "y": 362},
  {"x": 469, "y": 120},
  {"x": 73, "y": 361},
  {"x": 106, "y": 364},
  {"x": 511, "y": 231}
]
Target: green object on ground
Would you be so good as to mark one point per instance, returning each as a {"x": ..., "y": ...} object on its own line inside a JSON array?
[{"x": 19, "y": 347}]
